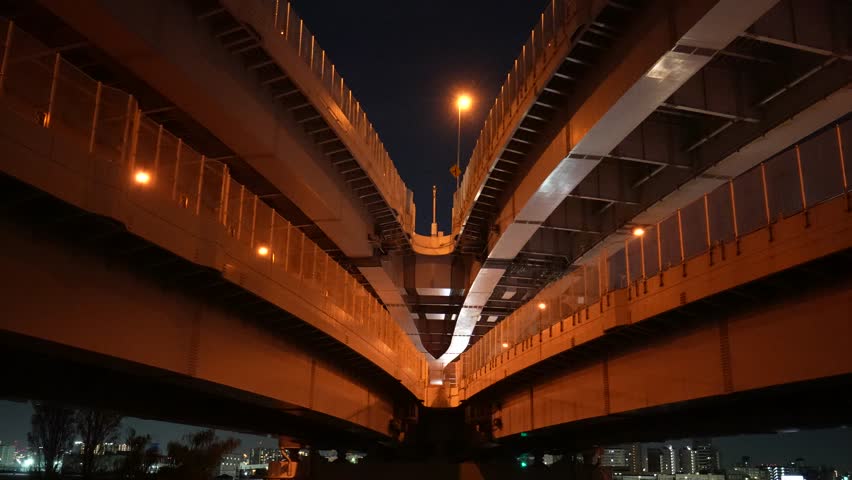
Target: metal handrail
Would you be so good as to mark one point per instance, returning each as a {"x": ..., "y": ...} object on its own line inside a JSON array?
[
  {"x": 378, "y": 165},
  {"x": 40, "y": 86},
  {"x": 787, "y": 184},
  {"x": 549, "y": 34}
]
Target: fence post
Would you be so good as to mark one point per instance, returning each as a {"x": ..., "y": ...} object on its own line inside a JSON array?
[
  {"x": 802, "y": 186},
  {"x": 177, "y": 168},
  {"x": 271, "y": 235},
  {"x": 660, "y": 252},
  {"x": 766, "y": 199},
  {"x": 240, "y": 212},
  {"x": 642, "y": 254},
  {"x": 52, "y": 98},
  {"x": 734, "y": 210},
  {"x": 134, "y": 138},
  {"x": 223, "y": 196},
  {"x": 157, "y": 151},
  {"x": 95, "y": 114},
  {"x": 126, "y": 131},
  {"x": 275, "y": 15},
  {"x": 287, "y": 248},
  {"x": 200, "y": 188},
  {"x": 7, "y": 47},
  {"x": 707, "y": 221},
  {"x": 287, "y": 25},
  {"x": 253, "y": 219},
  {"x": 627, "y": 261}
]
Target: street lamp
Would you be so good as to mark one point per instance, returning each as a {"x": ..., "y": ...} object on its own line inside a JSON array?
[
  {"x": 142, "y": 177},
  {"x": 463, "y": 103}
]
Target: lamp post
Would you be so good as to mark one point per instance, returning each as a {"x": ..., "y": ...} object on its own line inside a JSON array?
[{"x": 463, "y": 102}]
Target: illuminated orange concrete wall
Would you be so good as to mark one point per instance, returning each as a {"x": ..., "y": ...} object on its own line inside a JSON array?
[{"x": 80, "y": 300}]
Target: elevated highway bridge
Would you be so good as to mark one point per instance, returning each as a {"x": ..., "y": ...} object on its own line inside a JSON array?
[{"x": 195, "y": 204}]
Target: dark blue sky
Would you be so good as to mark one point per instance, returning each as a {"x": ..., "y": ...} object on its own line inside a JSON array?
[{"x": 405, "y": 61}]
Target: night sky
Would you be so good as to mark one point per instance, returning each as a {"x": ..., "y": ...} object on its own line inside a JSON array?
[{"x": 405, "y": 61}]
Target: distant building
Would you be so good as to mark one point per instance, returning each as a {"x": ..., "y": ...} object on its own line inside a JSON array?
[
  {"x": 746, "y": 471},
  {"x": 8, "y": 457},
  {"x": 230, "y": 464},
  {"x": 616, "y": 458},
  {"x": 706, "y": 456},
  {"x": 264, "y": 455},
  {"x": 777, "y": 472},
  {"x": 654, "y": 462},
  {"x": 668, "y": 462},
  {"x": 686, "y": 460},
  {"x": 635, "y": 459}
]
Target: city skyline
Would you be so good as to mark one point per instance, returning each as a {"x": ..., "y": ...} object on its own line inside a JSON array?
[{"x": 832, "y": 447}]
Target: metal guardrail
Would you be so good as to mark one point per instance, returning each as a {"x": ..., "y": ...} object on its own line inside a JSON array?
[
  {"x": 378, "y": 165},
  {"x": 39, "y": 85},
  {"x": 807, "y": 174},
  {"x": 529, "y": 68}
]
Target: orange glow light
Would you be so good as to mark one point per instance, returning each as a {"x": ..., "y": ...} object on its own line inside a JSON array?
[
  {"x": 505, "y": 344},
  {"x": 142, "y": 177},
  {"x": 463, "y": 102},
  {"x": 262, "y": 251},
  {"x": 542, "y": 306},
  {"x": 638, "y": 232}
]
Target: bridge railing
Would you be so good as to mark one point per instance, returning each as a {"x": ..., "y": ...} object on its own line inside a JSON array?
[
  {"x": 377, "y": 164},
  {"x": 41, "y": 87},
  {"x": 529, "y": 69},
  {"x": 812, "y": 172}
]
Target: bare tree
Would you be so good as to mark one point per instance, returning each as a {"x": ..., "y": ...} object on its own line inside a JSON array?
[
  {"x": 95, "y": 427},
  {"x": 140, "y": 457},
  {"x": 199, "y": 455},
  {"x": 52, "y": 433}
]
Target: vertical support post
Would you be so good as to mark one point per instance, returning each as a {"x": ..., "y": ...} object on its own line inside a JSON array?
[
  {"x": 766, "y": 211},
  {"x": 95, "y": 115},
  {"x": 642, "y": 253},
  {"x": 301, "y": 31},
  {"x": 707, "y": 221},
  {"x": 200, "y": 188},
  {"x": 627, "y": 260},
  {"x": 240, "y": 212},
  {"x": 734, "y": 209},
  {"x": 223, "y": 196},
  {"x": 802, "y": 186},
  {"x": 271, "y": 235},
  {"x": 53, "y": 83},
  {"x": 275, "y": 15},
  {"x": 287, "y": 26},
  {"x": 314, "y": 262},
  {"x": 4, "y": 63},
  {"x": 301, "y": 256},
  {"x": 660, "y": 252},
  {"x": 253, "y": 219},
  {"x": 134, "y": 139},
  {"x": 157, "y": 151},
  {"x": 177, "y": 168},
  {"x": 226, "y": 196},
  {"x": 287, "y": 247},
  {"x": 842, "y": 167},
  {"x": 126, "y": 132}
]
